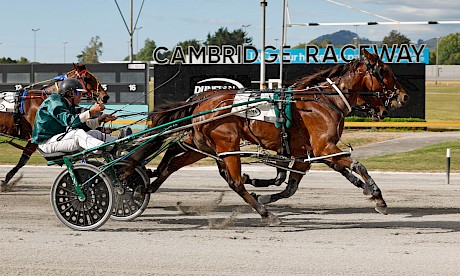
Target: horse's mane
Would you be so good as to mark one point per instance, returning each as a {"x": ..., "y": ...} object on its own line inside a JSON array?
[
  {"x": 318, "y": 77},
  {"x": 168, "y": 112}
]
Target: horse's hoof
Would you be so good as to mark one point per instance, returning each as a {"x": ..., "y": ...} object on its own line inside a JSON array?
[
  {"x": 381, "y": 209},
  {"x": 367, "y": 191},
  {"x": 272, "y": 220},
  {"x": 264, "y": 199}
]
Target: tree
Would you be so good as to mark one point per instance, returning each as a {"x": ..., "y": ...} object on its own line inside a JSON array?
[
  {"x": 433, "y": 57},
  {"x": 191, "y": 42},
  {"x": 224, "y": 37},
  {"x": 23, "y": 60},
  {"x": 395, "y": 37},
  {"x": 8, "y": 60},
  {"x": 449, "y": 49},
  {"x": 92, "y": 52},
  {"x": 144, "y": 54}
]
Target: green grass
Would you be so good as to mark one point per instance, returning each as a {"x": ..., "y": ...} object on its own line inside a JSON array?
[
  {"x": 429, "y": 158},
  {"x": 11, "y": 155},
  {"x": 442, "y": 103}
]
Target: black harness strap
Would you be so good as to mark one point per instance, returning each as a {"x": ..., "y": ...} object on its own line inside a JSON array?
[{"x": 17, "y": 110}]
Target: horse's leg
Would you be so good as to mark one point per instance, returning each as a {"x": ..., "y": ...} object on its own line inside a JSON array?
[
  {"x": 346, "y": 173},
  {"x": 291, "y": 187},
  {"x": 26, "y": 153},
  {"x": 170, "y": 153},
  {"x": 345, "y": 164},
  {"x": 171, "y": 163},
  {"x": 278, "y": 180},
  {"x": 235, "y": 181}
]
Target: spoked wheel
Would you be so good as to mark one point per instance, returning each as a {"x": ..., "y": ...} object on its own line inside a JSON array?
[
  {"x": 130, "y": 198},
  {"x": 82, "y": 214}
]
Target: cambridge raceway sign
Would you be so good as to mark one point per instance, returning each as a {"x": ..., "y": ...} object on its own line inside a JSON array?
[{"x": 311, "y": 54}]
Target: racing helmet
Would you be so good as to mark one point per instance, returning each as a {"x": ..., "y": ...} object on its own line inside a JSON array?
[{"x": 70, "y": 86}]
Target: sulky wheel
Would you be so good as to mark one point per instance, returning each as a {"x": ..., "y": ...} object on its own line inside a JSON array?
[
  {"x": 82, "y": 214},
  {"x": 130, "y": 198}
]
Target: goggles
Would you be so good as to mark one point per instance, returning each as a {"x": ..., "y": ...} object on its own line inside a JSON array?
[{"x": 78, "y": 92}]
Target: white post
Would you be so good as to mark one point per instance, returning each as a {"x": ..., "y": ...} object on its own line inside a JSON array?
[
  {"x": 263, "y": 4},
  {"x": 448, "y": 165},
  {"x": 283, "y": 42}
]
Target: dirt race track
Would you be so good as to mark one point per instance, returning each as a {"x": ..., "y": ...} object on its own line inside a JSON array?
[{"x": 328, "y": 227}]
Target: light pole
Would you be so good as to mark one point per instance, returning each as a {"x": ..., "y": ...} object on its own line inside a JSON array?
[
  {"x": 355, "y": 41},
  {"x": 35, "y": 43},
  {"x": 263, "y": 5},
  {"x": 245, "y": 26},
  {"x": 65, "y": 42},
  {"x": 137, "y": 41},
  {"x": 244, "y": 29}
]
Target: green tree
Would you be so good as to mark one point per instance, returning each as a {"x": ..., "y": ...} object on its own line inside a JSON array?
[
  {"x": 145, "y": 54},
  {"x": 395, "y": 37},
  {"x": 196, "y": 44},
  {"x": 187, "y": 43},
  {"x": 91, "y": 52},
  {"x": 449, "y": 49},
  {"x": 224, "y": 37},
  {"x": 8, "y": 60},
  {"x": 23, "y": 60},
  {"x": 433, "y": 57}
]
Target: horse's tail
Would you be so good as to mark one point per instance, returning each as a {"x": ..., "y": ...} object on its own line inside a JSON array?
[
  {"x": 163, "y": 114},
  {"x": 169, "y": 112}
]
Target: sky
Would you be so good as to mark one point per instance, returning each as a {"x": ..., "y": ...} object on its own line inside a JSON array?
[{"x": 66, "y": 27}]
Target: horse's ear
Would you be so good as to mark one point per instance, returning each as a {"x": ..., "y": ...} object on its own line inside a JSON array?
[
  {"x": 79, "y": 66},
  {"x": 372, "y": 58}
]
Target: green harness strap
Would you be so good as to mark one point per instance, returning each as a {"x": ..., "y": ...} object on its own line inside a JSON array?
[{"x": 286, "y": 110}]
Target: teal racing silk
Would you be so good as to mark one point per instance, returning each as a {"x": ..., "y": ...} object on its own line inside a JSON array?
[{"x": 54, "y": 116}]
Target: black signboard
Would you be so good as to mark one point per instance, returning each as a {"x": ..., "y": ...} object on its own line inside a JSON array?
[
  {"x": 124, "y": 82},
  {"x": 178, "y": 82}
]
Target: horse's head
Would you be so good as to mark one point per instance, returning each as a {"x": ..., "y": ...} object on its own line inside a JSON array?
[
  {"x": 372, "y": 105},
  {"x": 378, "y": 77},
  {"x": 89, "y": 82}
]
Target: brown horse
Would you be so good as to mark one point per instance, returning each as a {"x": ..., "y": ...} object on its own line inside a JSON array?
[
  {"x": 317, "y": 123},
  {"x": 19, "y": 125}
]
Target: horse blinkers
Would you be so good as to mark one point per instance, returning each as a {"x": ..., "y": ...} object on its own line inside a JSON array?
[
  {"x": 91, "y": 92},
  {"x": 375, "y": 70}
]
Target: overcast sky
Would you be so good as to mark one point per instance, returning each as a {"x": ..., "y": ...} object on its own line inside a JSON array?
[{"x": 70, "y": 25}]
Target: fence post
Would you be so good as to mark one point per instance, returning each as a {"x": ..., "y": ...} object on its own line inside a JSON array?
[{"x": 448, "y": 165}]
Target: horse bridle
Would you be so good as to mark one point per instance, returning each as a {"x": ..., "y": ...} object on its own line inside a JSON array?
[
  {"x": 81, "y": 76},
  {"x": 375, "y": 70}
]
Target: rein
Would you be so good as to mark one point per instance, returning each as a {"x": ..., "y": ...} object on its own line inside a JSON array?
[{"x": 375, "y": 70}]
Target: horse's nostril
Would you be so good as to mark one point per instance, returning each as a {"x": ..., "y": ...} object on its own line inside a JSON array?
[
  {"x": 406, "y": 98},
  {"x": 106, "y": 98},
  {"x": 384, "y": 113}
]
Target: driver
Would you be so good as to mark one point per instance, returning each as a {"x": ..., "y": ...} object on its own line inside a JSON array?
[{"x": 59, "y": 128}]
